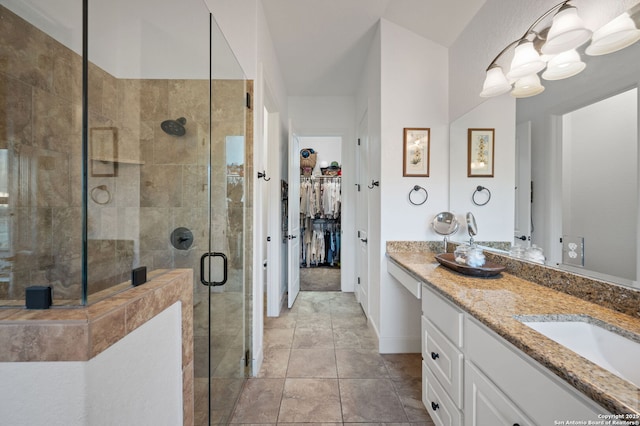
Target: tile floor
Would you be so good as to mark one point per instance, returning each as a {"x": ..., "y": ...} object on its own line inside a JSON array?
[{"x": 321, "y": 365}]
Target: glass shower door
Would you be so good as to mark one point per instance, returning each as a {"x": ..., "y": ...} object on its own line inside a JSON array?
[
  {"x": 167, "y": 145},
  {"x": 224, "y": 292}
]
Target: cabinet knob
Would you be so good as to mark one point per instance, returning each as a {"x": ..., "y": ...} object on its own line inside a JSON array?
[
  {"x": 516, "y": 424},
  {"x": 434, "y": 406},
  {"x": 434, "y": 356}
]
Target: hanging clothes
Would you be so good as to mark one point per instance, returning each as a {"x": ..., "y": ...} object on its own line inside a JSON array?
[
  {"x": 320, "y": 220},
  {"x": 320, "y": 197}
]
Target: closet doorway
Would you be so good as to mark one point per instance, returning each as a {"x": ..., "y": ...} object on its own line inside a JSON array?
[{"x": 320, "y": 213}]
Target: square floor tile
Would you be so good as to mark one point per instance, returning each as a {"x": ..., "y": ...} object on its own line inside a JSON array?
[
  {"x": 310, "y": 400},
  {"x": 319, "y": 338},
  {"x": 278, "y": 338},
  {"x": 409, "y": 391},
  {"x": 360, "y": 364},
  {"x": 274, "y": 363},
  {"x": 259, "y": 402},
  {"x": 370, "y": 400},
  {"x": 317, "y": 363},
  {"x": 403, "y": 365}
]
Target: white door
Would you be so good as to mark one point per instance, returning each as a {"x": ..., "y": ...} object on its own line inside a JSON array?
[
  {"x": 274, "y": 246},
  {"x": 293, "y": 245},
  {"x": 523, "y": 195},
  {"x": 362, "y": 216}
]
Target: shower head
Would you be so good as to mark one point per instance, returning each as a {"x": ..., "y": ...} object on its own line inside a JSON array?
[{"x": 174, "y": 127}]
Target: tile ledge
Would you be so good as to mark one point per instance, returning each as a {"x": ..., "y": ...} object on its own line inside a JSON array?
[{"x": 69, "y": 334}]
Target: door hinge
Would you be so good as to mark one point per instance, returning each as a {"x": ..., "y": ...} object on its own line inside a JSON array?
[
  {"x": 358, "y": 280},
  {"x": 246, "y": 358},
  {"x": 248, "y": 100},
  {"x": 531, "y": 192}
]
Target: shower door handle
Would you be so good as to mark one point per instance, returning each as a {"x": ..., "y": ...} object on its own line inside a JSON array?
[{"x": 224, "y": 269}]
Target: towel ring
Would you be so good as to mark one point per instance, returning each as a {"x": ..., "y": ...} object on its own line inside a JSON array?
[
  {"x": 478, "y": 190},
  {"x": 418, "y": 188},
  {"x": 95, "y": 194}
]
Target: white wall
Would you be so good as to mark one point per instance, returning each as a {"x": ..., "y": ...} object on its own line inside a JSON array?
[
  {"x": 414, "y": 93},
  {"x": 334, "y": 116},
  {"x": 496, "y": 219},
  {"x": 137, "y": 381},
  {"x": 238, "y": 20}
]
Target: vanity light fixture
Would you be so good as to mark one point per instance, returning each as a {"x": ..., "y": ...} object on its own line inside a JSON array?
[
  {"x": 564, "y": 65},
  {"x": 616, "y": 35},
  {"x": 567, "y": 31},
  {"x": 527, "y": 86},
  {"x": 526, "y": 61},
  {"x": 554, "y": 48}
]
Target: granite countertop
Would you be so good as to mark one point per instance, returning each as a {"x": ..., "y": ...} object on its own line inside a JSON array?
[{"x": 495, "y": 302}]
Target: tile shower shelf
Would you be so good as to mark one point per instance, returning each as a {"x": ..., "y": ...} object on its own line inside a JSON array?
[{"x": 119, "y": 160}]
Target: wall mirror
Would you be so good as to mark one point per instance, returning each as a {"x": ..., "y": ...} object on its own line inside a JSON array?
[{"x": 582, "y": 135}]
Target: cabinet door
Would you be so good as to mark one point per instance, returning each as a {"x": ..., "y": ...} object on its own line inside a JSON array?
[{"x": 486, "y": 404}]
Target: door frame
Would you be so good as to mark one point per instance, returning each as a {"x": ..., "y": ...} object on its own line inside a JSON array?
[
  {"x": 362, "y": 212},
  {"x": 523, "y": 187}
]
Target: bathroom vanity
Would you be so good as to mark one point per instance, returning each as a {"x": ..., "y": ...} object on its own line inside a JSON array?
[{"x": 483, "y": 366}]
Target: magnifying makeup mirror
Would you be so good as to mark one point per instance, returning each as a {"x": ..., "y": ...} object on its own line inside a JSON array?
[
  {"x": 445, "y": 223},
  {"x": 472, "y": 227}
]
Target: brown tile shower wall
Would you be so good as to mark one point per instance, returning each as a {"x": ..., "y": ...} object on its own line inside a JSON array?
[
  {"x": 159, "y": 183},
  {"x": 40, "y": 126}
]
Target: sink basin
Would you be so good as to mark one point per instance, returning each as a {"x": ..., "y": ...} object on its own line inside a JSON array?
[{"x": 594, "y": 340}]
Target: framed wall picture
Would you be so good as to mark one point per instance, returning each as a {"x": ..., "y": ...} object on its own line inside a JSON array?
[
  {"x": 480, "y": 152},
  {"x": 104, "y": 151},
  {"x": 416, "y": 152}
]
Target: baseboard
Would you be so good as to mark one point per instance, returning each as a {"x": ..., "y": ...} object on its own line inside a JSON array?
[{"x": 399, "y": 345}]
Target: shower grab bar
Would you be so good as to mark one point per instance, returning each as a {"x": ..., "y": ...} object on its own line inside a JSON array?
[{"x": 224, "y": 269}]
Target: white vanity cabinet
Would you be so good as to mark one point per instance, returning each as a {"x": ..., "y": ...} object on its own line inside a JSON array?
[
  {"x": 504, "y": 386},
  {"x": 442, "y": 359},
  {"x": 471, "y": 376}
]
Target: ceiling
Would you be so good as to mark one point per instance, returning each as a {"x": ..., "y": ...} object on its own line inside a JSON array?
[{"x": 322, "y": 45}]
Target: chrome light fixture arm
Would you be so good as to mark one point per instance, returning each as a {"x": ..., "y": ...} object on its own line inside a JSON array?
[{"x": 529, "y": 31}]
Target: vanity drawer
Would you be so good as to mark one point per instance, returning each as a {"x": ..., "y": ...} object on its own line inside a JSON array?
[
  {"x": 443, "y": 314},
  {"x": 410, "y": 283},
  {"x": 442, "y": 410},
  {"x": 444, "y": 360}
]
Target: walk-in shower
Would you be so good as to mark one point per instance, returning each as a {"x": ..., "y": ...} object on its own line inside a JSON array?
[{"x": 93, "y": 183}]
